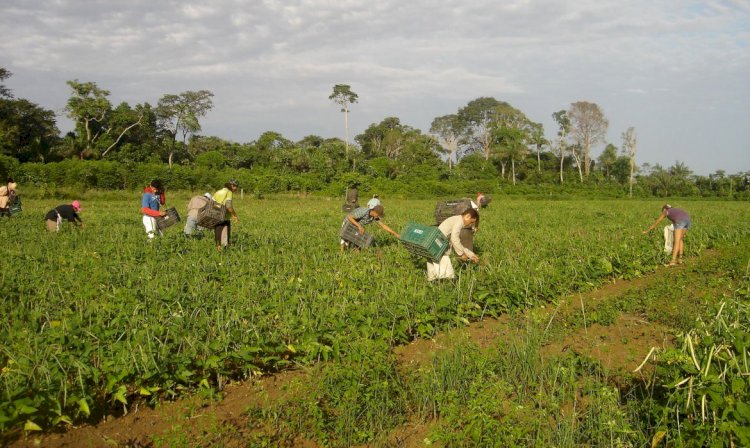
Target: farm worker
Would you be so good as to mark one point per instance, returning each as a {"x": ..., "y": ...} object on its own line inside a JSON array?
[
  {"x": 467, "y": 233},
  {"x": 352, "y": 196},
  {"x": 222, "y": 231},
  {"x": 373, "y": 202},
  {"x": 7, "y": 197},
  {"x": 681, "y": 221},
  {"x": 194, "y": 206},
  {"x": 68, "y": 212},
  {"x": 362, "y": 216},
  {"x": 153, "y": 198},
  {"x": 482, "y": 200},
  {"x": 451, "y": 228}
]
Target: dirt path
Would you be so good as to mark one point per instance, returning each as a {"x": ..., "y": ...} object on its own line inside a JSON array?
[{"x": 202, "y": 421}]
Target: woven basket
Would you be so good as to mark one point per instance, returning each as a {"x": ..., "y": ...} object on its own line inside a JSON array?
[{"x": 211, "y": 215}]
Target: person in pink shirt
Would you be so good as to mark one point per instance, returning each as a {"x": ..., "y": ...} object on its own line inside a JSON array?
[{"x": 682, "y": 222}]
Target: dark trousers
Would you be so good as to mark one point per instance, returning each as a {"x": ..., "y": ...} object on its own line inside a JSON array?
[{"x": 222, "y": 232}]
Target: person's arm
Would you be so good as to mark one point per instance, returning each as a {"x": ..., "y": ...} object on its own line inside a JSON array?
[
  {"x": 152, "y": 213},
  {"x": 359, "y": 226},
  {"x": 388, "y": 229},
  {"x": 230, "y": 209},
  {"x": 461, "y": 251},
  {"x": 656, "y": 223}
]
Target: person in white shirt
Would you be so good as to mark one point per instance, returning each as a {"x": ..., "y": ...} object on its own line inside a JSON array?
[{"x": 451, "y": 228}]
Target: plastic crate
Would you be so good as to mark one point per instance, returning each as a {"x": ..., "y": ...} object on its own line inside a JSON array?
[
  {"x": 350, "y": 233},
  {"x": 15, "y": 208},
  {"x": 211, "y": 215},
  {"x": 424, "y": 241},
  {"x": 485, "y": 201},
  {"x": 347, "y": 207},
  {"x": 446, "y": 209},
  {"x": 169, "y": 220}
]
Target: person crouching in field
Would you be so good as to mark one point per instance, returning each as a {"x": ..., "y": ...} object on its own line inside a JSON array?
[
  {"x": 7, "y": 197},
  {"x": 68, "y": 212},
  {"x": 153, "y": 197},
  {"x": 224, "y": 197},
  {"x": 362, "y": 216},
  {"x": 194, "y": 206},
  {"x": 452, "y": 228},
  {"x": 682, "y": 222}
]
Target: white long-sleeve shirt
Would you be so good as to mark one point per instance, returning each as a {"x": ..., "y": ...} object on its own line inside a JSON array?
[{"x": 451, "y": 228}]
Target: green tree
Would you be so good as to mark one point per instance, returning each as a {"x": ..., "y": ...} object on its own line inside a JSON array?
[
  {"x": 181, "y": 114},
  {"x": 608, "y": 158},
  {"x": 344, "y": 96},
  {"x": 477, "y": 122},
  {"x": 88, "y": 107}
]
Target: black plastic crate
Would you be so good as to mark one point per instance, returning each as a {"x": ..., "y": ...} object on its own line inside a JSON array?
[
  {"x": 169, "y": 220},
  {"x": 350, "y": 233},
  {"x": 446, "y": 209}
]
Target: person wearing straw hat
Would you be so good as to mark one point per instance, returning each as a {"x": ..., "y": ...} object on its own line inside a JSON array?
[
  {"x": 67, "y": 212},
  {"x": 224, "y": 197}
]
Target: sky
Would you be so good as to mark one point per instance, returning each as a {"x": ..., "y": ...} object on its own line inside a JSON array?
[{"x": 678, "y": 71}]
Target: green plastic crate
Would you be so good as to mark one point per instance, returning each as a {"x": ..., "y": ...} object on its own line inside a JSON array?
[{"x": 424, "y": 241}]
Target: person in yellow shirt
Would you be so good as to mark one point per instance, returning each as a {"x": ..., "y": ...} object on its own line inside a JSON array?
[{"x": 224, "y": 197}]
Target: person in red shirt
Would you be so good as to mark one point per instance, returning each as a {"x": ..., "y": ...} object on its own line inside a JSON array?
[{"x": 153, "y": 197}]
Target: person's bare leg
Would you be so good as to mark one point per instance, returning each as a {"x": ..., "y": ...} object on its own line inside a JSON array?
[{"x": 677, "y": 246}]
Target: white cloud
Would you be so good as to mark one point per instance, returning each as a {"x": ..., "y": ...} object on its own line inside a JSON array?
[{"x": 416, "y": 59}]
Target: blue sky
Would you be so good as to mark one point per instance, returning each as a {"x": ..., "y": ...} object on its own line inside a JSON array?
[{"x": 678, "y": 71}]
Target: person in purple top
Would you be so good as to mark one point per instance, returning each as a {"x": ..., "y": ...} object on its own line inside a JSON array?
[{"x": 681, "y": 221}]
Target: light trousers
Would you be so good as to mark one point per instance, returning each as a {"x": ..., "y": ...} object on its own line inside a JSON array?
[{"x": 441, "y": 270}]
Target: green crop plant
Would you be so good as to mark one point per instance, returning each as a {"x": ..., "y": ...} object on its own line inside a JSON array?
[{"x": 97, "y": 319}]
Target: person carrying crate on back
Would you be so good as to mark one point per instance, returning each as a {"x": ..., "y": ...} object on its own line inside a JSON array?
[
  {"x": 362, "y": 216},
  {"x": 452, "y": 228}
]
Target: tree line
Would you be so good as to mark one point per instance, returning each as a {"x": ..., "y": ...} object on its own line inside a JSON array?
[{"x": 487, "y": 141}]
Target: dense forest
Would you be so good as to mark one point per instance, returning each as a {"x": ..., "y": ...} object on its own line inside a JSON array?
[{"x": 486, "y": 145}]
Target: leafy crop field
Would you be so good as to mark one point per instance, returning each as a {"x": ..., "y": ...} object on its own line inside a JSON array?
[{"x": 97, "y": 319}]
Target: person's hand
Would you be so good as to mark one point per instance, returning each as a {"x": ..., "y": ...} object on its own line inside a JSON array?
[
  {"x": 235, "y": 219},
  {"x": 361, "y": 229},
  {"x": 474, "y": 258},
  {"x": 162, "y": 214},
  {"x": 646, "y": 231}
]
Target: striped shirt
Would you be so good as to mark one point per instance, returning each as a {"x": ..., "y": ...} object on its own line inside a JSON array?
[{"x": 362, "y": 216}]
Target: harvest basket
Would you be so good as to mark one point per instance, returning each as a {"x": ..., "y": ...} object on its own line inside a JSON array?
[
  {"x": 211, "y": 215},
  {"x": 424, "y": 241},
  {"x": 14, "y": 208},
  {"x": 485, "y": 201},
  {"x": 350, "y": 233},
  {"x": 169, "y": 220},
  {"x": 446, "y": 209}
]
